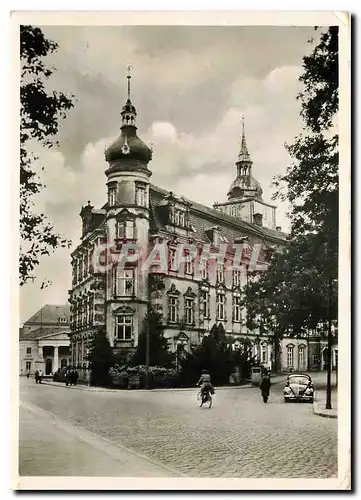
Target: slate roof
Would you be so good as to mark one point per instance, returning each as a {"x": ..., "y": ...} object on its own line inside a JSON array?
[
  {"x": 203, "y": 217},
  {"x": 50, "y": 314},
  {"x": 39, "y": 333}
]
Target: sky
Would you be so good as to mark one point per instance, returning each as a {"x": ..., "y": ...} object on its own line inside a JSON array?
[{"x": 190, "y": 86}]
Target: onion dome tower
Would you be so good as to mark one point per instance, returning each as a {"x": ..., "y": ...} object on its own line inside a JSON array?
[
  {"x": 244, "y": 185},
  {"x": 128, "y": 178},
  {"x": 128, "y": 149}
]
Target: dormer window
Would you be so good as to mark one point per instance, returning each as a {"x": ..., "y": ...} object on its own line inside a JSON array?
[
  {"x": 141, "y": 196},
  {"x": 179, "y": 218},
  {"x": 112, "y": 196}
]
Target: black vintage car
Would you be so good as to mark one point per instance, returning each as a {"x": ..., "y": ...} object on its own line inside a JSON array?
[{"x": 299, "y": 387}]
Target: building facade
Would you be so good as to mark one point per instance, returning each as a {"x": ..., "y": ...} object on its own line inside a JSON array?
[
  {"x": 44, "y": 341},
  {"x": 193, "y": 295}
]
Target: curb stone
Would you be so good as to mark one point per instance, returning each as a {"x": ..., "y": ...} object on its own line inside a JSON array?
[
  {"x": 322, "y": 412},
  {"x": 81, "y": 387}
]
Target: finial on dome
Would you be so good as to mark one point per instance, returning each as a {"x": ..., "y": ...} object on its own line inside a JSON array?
[{"x": 129, "y": 77}]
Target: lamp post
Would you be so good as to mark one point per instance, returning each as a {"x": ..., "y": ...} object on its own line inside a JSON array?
[{"x": 329, "y": 347}]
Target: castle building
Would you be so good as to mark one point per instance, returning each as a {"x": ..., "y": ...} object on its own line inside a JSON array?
[{"x": 191, "y": 298}]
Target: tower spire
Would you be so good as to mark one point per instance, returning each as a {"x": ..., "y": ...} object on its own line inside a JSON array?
[{"x": 243, "y": 154}]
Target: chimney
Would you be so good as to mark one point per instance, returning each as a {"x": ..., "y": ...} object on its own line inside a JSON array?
[
  {"x": 278, "y": 228},
  {"x": 257, "y": 219}
]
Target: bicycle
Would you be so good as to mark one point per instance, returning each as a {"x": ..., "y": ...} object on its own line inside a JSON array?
[{"x": 205, "y": 399}]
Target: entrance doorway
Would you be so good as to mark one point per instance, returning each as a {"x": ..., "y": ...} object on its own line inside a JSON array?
[
  {"x": 63, "y": 363},
  {"x": 48, "y": 366}
]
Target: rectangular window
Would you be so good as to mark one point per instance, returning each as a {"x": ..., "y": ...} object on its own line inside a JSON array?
[
  {"x": 237, "y": 277},
  {"x": 28, "y": 350},
  {"x": 129, "y": 229},
  {"x": 172, "y": 259},
  {"x": 173, "y": 309},
  {"x": 221, "y": 299},
  {"x": 189, "y": 315},
  {"x": 220, "y": 273},
  {"x": 301, "y": 357},
  {"x": 176, "y": 217},
  {"x": 188, "y": 265},
  {"x": 181, "y": 218},
  {"x": 125, "y": 283},
  {"x": 28, "y": 366},
  {"x": 141, "y": 196},
  {"x": 237, "y": 308},
  {"x": 290, "y": 356},
  {"x": 75, "y": 272},
  {"x": 112, "y": 196},
  {"x": 124, "y": 327},
  {"x": 126, "y": 230},
  {"x": 205, "y": 304}
]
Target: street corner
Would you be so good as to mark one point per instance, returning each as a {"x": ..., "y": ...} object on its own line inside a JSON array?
[{"x": 320, "y": 410}]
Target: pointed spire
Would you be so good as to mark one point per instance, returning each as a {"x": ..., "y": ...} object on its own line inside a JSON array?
[{"x": 243, "y": 154}]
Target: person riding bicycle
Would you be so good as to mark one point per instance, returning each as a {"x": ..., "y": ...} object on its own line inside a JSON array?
[{"x": 205, "y": 382}]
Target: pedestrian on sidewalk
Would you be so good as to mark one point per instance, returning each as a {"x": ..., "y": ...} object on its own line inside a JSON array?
[{"x": 265, "y": 387}]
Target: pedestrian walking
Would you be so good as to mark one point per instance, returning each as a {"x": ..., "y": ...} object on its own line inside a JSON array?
[
  {"x": 40, "y": 376},
  {"x": 36, "y": 376},
  {"x": 28, "y": 375},
  {"x": 265, "y": 387}
]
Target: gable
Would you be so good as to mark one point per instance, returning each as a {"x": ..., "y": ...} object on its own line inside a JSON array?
[{"x": 56, "y": 336}]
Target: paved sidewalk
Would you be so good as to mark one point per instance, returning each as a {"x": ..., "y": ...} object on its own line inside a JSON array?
[
  {"x": 51, "y": 446},
  {"x": 274, "y": 379}
]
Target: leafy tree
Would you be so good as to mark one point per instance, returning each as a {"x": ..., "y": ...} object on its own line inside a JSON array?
[
  {"x": 40, "y": 113},
  {"x": 298, "y": 292},
  {"x": 214, "y": 355},
  {"x": 101, "y": 358},
  {"x": 159, "y": 354}
]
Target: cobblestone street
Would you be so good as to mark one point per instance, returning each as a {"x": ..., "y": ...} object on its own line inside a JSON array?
[{"x": 239, "y": 436}]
